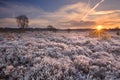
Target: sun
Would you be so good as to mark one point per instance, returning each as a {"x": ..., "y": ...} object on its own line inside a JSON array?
[
  {"x": 99, "y": 33},
  {"x": 99, "y": 27}
]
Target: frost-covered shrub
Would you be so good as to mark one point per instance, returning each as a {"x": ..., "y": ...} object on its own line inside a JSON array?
[
  {"x": 103, "y": 57},
  {"x": 82, "y": 63},
  {"x": 58, "y": 56},
  {"x": 53, "y": 70},
  {"x": 1, "y": 38},
  {"x": 115, "y": 50},
  {"x": 118, "y": 33},
  {"x": 103, "y": 34}
]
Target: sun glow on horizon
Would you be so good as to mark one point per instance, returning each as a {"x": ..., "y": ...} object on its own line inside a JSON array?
[{"x": 99, "y": 27}]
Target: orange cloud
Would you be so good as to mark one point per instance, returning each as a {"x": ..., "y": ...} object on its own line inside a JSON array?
[{"x": 65, "y": 17}]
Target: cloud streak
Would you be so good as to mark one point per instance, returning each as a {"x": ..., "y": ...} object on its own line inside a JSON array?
[
  {"x": 92, "y": 9},
  {"x": 67, "y": 16}
]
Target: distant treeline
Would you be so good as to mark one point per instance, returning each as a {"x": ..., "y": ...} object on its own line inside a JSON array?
[
  {"x": 23, "y": 25},
  {"x": 48, "y": 29},
  {"x": 39, "y": 29}
]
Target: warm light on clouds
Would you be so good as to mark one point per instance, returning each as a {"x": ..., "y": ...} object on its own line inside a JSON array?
[
  {"x": 7, "y": 22},
  {"x": 76, "y": 15},
  {"x": 106, "y": 12}
]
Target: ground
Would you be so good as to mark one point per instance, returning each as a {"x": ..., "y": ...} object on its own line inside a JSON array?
[{"x": 62, "y": 55}]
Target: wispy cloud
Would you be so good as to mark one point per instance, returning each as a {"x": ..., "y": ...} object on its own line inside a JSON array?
[
  {"x": 79, "y": 24},
  {"x": 68, "y": 16},
  {"x": 92, "y": 9},
  {"x": 106, "y": 12},
  {"x": 39, "y": 17},
  {"x": 7, "y": 22}
]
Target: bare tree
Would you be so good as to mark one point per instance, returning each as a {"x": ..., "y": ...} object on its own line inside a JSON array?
[
  {"x": 22, "y": 21},
  {"x": 51, "y": 28}
]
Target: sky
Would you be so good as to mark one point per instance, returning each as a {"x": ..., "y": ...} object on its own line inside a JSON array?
[{"x": 62, "y": 14}]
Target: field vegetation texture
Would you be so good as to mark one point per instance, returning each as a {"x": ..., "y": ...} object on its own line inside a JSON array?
[{"x": 58, "y": 56}]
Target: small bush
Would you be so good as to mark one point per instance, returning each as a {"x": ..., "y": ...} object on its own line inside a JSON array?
[{"x": 103, "y": 35}]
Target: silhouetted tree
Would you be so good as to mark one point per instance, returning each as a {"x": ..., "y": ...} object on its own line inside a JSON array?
[
  {"x": 51, "y": 28},
  {"x": 22, "y": 21}
]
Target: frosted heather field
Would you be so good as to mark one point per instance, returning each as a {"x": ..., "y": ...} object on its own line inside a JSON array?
[{"x": 58, "y": 56}]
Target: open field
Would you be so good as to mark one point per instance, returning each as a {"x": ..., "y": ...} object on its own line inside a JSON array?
[{"x": 48, "y": 55}]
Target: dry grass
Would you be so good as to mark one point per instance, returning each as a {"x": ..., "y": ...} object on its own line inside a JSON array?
[{"x": 103, "y": 34}]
